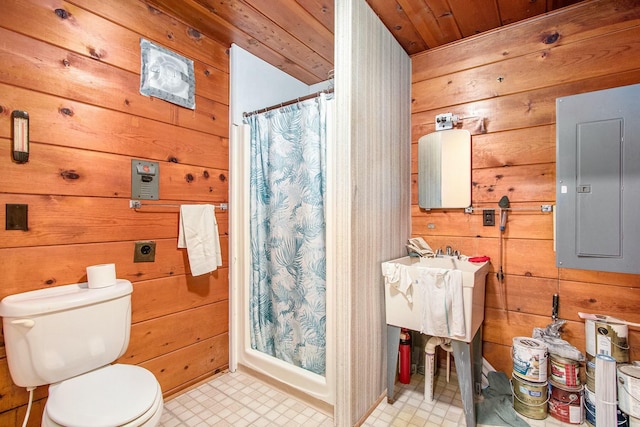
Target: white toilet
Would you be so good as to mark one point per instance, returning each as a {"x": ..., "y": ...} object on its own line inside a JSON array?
[{"x": 68, "y": 336}]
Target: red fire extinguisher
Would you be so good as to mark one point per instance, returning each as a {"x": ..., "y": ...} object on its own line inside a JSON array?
[{"x": 405, "y": 356}]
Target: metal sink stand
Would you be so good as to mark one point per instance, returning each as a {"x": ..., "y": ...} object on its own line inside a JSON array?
[{"x": 469, "y": 374}]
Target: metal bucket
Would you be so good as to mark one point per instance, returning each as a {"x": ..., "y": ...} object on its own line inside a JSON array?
[
  {"x": 590, "y": 407},
  {"x": 607, "y": 338},
  {"x": 591, "y": 375},
  {"x": 530, "y": 359},
  {"x": 629, "y": 390},
  {"x": 590, "y": 410},
  {"x": 565, "y": 403},
  {"x": 529, "y": 398},
  {"x": 565, "y": 372}
]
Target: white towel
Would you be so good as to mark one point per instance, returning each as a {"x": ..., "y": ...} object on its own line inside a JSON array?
[
  {"x": 443, "y": 304},
  {"x": 198, "y": 233},
  {"x": 398, "y": 276}
]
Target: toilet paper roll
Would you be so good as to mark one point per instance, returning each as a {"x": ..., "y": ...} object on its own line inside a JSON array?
[{"x": 101, "y": 275}]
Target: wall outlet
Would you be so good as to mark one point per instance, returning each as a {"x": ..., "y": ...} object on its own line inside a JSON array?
[
  {"x": 145, "y": 251},
  {"x": 488, "y": 217}
]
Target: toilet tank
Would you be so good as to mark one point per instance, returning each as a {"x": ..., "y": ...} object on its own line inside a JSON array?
[{"x": 57, "y": 333}]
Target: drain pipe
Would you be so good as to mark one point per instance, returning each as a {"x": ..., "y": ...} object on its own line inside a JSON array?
[{"x": 430, "y": 363}]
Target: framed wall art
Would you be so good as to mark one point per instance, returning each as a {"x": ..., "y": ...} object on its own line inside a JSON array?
[{"x": 166, "y": 75}]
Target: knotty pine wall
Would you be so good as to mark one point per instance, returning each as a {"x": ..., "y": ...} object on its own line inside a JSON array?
[
  {"x": 75, "y": 68},
  {"x": 511, "y": 77}
]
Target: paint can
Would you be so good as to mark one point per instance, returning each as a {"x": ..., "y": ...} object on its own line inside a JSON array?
[
  {"x": 590, "y": 411},
  {"x": 564, "y": 371},
  {"x": 629, "y": 390},
  {"x": 530, "y": 359},
  {"x": 529, "y": 398},
  {"x": 591, "y": 375},
  {"x": 623, "y": 419},
  {"x": 565, "y": 403},
  {"x": 607, "y": 338},
  {"x": 590, "y": 407}
]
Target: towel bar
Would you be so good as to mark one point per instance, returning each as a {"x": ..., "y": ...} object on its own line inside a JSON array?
[{"x": 137, "y": 204}]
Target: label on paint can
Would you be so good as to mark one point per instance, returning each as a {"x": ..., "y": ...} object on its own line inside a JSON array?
[
  {"x": 590, "y": 407},
  {"x": 606, "y": 338},
  {"x": 591, "y": 375},
  {"x": 530, "y": 359},
  {"x": 530, "y": 399},
  {"x": 565, "y": 412},
  {"x": 564, "y": 371},
  {"x": 565, "y": 403},
  {"x": 590, "y": 337}
]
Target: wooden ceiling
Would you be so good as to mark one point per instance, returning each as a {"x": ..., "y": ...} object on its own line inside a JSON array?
[{"x": 297, "y": 35}]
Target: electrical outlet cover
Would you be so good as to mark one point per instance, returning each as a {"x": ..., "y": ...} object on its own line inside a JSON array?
[
  {"x": 145, "y": 251},
  {"x": 17, "y": 217},
  {"x": 488, "y": 217}
]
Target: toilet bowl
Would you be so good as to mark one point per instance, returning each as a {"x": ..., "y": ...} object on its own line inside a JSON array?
[{"x": 115, "y": 395}]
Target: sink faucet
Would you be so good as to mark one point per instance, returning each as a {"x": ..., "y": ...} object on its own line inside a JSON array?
[{"x": 448, "y": 252}]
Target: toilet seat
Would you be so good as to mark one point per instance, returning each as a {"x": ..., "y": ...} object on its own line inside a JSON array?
[{"x": 114, "y": 395}]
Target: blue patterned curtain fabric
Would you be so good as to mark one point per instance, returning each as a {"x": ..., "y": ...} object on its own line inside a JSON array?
[{"x": 288, "y": 286}]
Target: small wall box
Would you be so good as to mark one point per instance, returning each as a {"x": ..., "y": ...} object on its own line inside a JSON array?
[{"x": 145, "y": 179}]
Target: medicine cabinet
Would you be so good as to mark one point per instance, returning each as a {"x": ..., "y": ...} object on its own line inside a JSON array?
[
  {"x": 598, "y": 180},
  {"x": 444, "y": 169}
]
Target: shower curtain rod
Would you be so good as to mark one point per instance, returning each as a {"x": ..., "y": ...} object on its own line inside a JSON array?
[{"x": 284, "y": 104}]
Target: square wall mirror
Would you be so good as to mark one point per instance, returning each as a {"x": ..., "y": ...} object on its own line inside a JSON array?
[{"x": 444, "y": 169}]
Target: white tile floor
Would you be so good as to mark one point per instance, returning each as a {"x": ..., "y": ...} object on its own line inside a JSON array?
[{"x": 237, "y": 399}]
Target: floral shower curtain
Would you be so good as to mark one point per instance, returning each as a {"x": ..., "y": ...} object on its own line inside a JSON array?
[{"x": 287, "y": 186}]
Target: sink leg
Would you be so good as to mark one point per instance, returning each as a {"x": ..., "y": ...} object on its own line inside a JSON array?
[
  {"x": 393, "y": 341},
  {"x": 465, "y": 370},
  {"x": 476, "y": 353}
]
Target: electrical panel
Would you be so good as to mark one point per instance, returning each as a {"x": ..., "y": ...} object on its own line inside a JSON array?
[{"x": 598, "y": 180}]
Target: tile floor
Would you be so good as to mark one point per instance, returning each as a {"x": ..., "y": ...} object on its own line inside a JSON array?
[{"x": 237, "y": 399}]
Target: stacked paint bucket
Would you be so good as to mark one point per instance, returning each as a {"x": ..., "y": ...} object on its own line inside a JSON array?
[
  {"x": 566, "y": 392},
  {"x": 529, "y": 379},
  {"x": 611, "y": 339}
]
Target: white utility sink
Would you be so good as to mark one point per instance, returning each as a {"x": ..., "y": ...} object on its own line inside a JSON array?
[{"x": 405, "y": 314}]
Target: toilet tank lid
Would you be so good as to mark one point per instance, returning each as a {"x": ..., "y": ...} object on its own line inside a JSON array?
[{"x": 60, "y": 298}]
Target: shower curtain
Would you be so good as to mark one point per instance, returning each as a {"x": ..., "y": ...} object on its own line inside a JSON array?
[{"x": 287, "y": 227}]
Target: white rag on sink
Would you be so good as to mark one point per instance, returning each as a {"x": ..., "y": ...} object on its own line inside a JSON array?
[
  {"x": 397, "y": 276},
  {"x": 443, "y": 304},
  {"x": 198, "y": 232}
]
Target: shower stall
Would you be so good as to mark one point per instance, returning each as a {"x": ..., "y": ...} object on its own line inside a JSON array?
[
  {"x": 256, "y": 85},
  {"x": 305, "y": 380},
  {"x": 368, "y": 208}
]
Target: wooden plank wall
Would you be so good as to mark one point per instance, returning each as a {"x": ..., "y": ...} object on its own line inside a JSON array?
[
  {"x": 75, "y": 67},
  {"x": 508, "y": 81}
]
